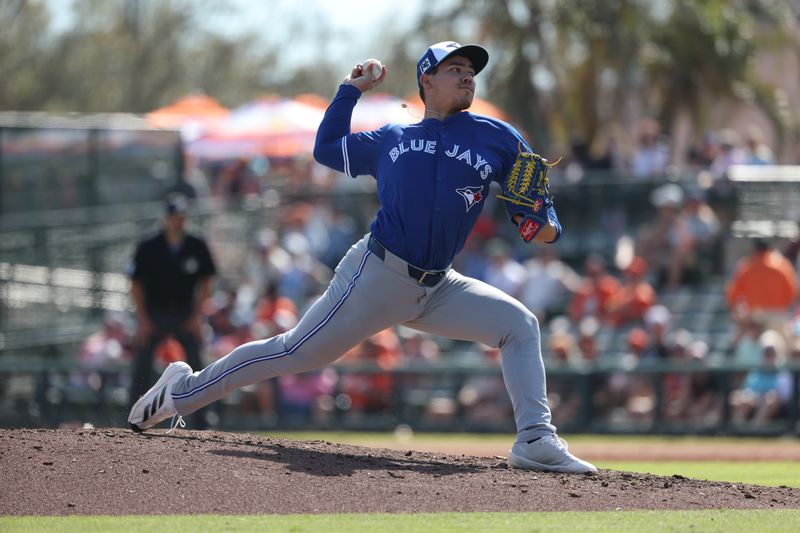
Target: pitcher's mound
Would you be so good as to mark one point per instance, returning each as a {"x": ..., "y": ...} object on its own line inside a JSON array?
[{"x": 113, "y": 471}]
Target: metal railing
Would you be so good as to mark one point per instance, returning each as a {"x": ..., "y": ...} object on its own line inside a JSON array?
[{"x": 52, "y": 392}]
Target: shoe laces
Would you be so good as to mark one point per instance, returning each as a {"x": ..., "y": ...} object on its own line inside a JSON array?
[{"x": 177, "y": 421}]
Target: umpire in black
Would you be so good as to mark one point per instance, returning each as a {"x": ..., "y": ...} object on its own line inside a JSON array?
[{"x": 171, "y": 277}]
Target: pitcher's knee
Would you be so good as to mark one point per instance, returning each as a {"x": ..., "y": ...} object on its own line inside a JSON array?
[{"x": 523, "y": 329}]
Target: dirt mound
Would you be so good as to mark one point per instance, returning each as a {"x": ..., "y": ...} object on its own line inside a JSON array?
[{"x": 113, "y": 471}]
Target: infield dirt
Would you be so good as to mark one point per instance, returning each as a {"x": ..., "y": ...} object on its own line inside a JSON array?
[{"x": 115, "y": 472}]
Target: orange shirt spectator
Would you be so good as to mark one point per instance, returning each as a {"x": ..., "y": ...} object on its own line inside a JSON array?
[
  {"x": 763, "y": 281},
  {"x": 595, "y": 292},
  {"x": 634, "y": 297}
]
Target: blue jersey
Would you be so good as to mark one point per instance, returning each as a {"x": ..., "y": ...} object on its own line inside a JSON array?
[{"x": 433, "y": 176}]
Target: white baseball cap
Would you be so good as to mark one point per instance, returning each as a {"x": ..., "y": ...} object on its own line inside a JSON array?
[{"x": 438, "y": 52}]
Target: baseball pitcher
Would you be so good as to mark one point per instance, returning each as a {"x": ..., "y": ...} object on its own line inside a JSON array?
[{"x": 432, "y": 181}]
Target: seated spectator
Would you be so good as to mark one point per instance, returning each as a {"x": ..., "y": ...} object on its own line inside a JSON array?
[
  {"x": 503, "y": 271},
  {"x": 745, "y": 348},
  {"x": 483, "y": 397},
  {"x": 651, "y": 154},
  {"x": 308, "y": 395},
  {"x": 594, "y": 292},
  {"x": 275, "y": 312},
  {"x": 691, "y": 396},
  {"x": 264, "y": 265},
  {"x": 766, "y": 391},
  {"x": 658, "y": 326},
  {"x": 764, "y": 284},
  {"x": 680, "y": 242},
  {"x": 563, "y": 349},
  {"x": 417, "y": 346},
  {"x": 699, "y": 252},
  {"x": 628, "y": 396},
  {"x": 258, "y": 398},
  {"x": 588, "y": 328},
  {"x": 110, "y": 345},
  {"x": 730, "y": 153},
  {"x": 549, "y": 283},
  {"x": 634, "y": 297},
  {"x": 370, "y": 392},
  {"x": 756, "y": 151}
]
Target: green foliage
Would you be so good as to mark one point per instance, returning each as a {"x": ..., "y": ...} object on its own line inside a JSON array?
[{"x": 564, "y": 69}]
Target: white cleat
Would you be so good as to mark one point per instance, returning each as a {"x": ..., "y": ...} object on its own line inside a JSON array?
[
  {"x": 156, "y": 405},
  {"x": 547, "y": 453}
]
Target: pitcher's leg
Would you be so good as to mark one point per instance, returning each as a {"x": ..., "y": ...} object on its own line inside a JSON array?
[
  {"x": 467, "y": 309},
  {"x": 353, "y": 307}
]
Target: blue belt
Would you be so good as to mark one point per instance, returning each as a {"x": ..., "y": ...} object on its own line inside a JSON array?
[{"x": 423, "y": 277}]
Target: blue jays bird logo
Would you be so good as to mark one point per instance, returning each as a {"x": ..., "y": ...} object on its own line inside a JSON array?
[{"x": 471, "y": 195}]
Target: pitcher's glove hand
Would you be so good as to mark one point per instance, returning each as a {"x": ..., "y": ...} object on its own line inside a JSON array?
[{"x": 526, "y": 192}]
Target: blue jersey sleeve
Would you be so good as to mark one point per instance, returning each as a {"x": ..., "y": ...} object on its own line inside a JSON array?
[{"x": 354, "y": 154}]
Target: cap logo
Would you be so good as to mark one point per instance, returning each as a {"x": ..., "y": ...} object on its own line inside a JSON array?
[{"x": 425, "y": 65}]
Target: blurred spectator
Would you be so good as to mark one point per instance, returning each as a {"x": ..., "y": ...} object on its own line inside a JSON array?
[
  {"x": 306, "y": 275},
  {"x": 703, "y": 153},
  {"x": 692, "y": 397},
  {"x": 417, "y": 346},
  {"x": 483, "y": 397},
  {"x": 744, "y": 347},
  {"x": 172, "y": 276},
  {"x": 370, "y": 392},
  {"x": 266, "y": 262},
  {"x": 680, "y": 243},
  {"x": 472, "y": 260},
  {"x": 627, "y": 396},
  {"x": 275, "y": 312},
  {"x": 503, "y": 271},
  {"x": 730, "y": 153},
  {"x": 236, "y": 179},
  {"x": 548, "y": 285},
  {"x": 700, "y": 250},
  {"x": 792, "y": 248},
  {"x": 766, "y": 391},
  {"x": 308, "y": 395},
  {"x": 564, "y": 392},
  {"x": 342, "y": 232},
  {"x": 109, "y": 346},
  {"x": 595, "y": 291},
  {"x": 563, "y": 349},
  {"x": 763, "y": 284},
  {"x": 756, "y": 151},
  {"x": 658, "y": 326},
  {"x": 659, "y": 239},
  {"x": 588, "y": 328},
  {"x": 634, "y": 296},
  {"x": 220, "y": 309},
  {"x": 651, "y": 154}
]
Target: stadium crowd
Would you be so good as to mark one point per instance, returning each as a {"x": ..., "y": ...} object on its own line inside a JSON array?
[{"x": 637, "y": 307}]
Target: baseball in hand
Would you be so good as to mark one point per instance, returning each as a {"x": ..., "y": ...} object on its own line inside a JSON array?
[{"x": 372, "y": 69}]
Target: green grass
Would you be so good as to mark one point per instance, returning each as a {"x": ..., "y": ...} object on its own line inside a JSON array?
[
  {"x": 388, "y": 439},
  {"x": 614, "y": 521},
  {"x": 769, "y": 473}
]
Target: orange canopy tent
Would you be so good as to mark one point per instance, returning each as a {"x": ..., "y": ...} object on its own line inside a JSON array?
[
  {"x": 374, "y": 110},
  {"x": 271, "y": 126},
  {"x": 193, "y": 107}
]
